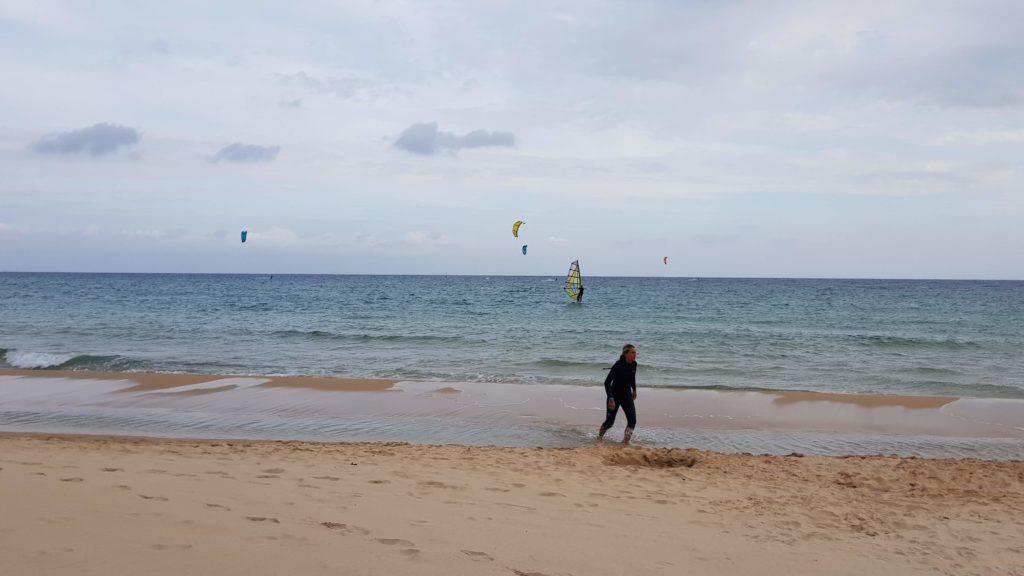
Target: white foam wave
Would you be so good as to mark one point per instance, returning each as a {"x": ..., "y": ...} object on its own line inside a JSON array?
[{"x": 29, "y": 359}]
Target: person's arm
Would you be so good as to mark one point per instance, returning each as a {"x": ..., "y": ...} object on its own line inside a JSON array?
[
  {"x": 634, "y": 384},
  {"x": 608, "y": 381}
]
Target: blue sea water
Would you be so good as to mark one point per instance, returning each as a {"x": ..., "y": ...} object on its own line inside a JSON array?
[{"x": 958, "y": 338}]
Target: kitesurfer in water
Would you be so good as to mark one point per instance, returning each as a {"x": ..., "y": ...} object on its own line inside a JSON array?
[
  {"x": 620, "y": 390},
  {"x": 579, "y": 295}
]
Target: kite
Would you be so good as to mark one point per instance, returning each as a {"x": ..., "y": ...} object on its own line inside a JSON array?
[
  {"x": 515, "y": 228},
  {"x": 244, "y": 234}
]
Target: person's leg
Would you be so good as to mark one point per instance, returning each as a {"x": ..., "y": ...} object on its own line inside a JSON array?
[
  {"x": 630, "y": 410},
  {"x": 609, "y": 420}
]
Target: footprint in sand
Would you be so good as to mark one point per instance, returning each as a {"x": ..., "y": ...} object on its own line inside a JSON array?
[
  {"x": 262, "y": 519},
  {"x": 76, "y": 479},
  {"x": 380, "y": 481},
  {"x": 522, "y": 573},
  {"x": 478, "y": 556},
  {"x": 394, "y": 542},
  {"x": 331, "y": 478},
  {"x": 273, "y": 471},
  {"x": 171, "y": 546},
  {"x": 437, "y": 484},
  {"x": 217, "y": 506},
  {"x": 267, "y": 476},
  {"x": 345, "y": 528},
  {"x": 157, "y": 498},
  {"x": 337, "y": 526},
  {"x": 559, "y": 494},
  {"x": 113, "y": 469}
]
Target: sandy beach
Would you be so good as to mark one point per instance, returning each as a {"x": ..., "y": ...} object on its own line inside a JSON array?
[{"x": 102, "y": 505}]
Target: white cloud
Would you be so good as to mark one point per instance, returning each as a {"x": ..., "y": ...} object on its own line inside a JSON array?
[
  {"x": 981, "y": 137},
  {"x": 425, "y": 238}
]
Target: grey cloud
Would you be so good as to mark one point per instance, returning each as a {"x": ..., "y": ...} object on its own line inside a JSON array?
[
  {"x": 97, "y": 140},
  {"x": 427, "y": 140},
  {"x": 238, "y": 152}
]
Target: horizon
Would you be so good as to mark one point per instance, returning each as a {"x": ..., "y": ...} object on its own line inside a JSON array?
[{"x": 443, "y": 275}]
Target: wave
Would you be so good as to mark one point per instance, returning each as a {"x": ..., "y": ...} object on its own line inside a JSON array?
[
  {"x": 557, "y": 363},
  {"x": 645, "y": 368},
  {"x": 324, "y": 335},
  {"x": 29, "y": 360},
  {"x": 976, "y": 390},
  {"x": 911, "y": 342}
]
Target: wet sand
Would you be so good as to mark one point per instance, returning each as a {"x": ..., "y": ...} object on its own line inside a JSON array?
[
  {"x": 95, "y": 505},
  {"x": 338, "y": 409},
  {"x": 150, "y": 381}
]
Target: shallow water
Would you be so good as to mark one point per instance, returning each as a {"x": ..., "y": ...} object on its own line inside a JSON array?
[{"x": 503, "y": 414}]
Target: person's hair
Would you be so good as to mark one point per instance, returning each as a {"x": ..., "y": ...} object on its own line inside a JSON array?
[{"x": 626, "y": 349}]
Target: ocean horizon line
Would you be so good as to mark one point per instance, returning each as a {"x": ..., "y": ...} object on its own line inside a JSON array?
[{"x": 443, "y": 275}]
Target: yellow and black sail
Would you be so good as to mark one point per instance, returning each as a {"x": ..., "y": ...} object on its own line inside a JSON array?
[{"x": 573, "y": 282}]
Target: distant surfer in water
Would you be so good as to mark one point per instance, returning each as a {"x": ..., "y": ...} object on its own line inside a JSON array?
[
  {"x": 579, "y": 297},
  {"x": 620, "y": 390}
]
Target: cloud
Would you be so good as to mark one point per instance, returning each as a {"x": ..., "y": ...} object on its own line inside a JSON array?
[
  {"x": 426, "y": 139},
  {"x": 556, "y": 239},
  {"x": 97, "y": 140},
  {"x": 345, "y": 87},
  {"x": 424, "y": 238},
  {"x": 238, "y": 152},
  {"x": 980, "y": 137}
]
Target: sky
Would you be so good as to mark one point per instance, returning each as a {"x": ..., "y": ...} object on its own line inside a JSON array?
[{"x": 779, "y": 139}]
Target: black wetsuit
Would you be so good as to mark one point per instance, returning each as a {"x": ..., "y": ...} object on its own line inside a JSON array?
[
  {"x": 620, "y": 385},
  {"x": 579, "y": 296}
]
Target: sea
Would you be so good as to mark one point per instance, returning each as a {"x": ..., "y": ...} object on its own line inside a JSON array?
[{"x": 901, "y": 337}]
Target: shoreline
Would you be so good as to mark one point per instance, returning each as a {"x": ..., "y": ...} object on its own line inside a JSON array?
[
  {"x": 110, "y": 503},
  {"x": 148, "y": 381},
  {"x": 321, "y": 409}
]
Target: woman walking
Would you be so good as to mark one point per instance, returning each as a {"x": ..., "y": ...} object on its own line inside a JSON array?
[{"x": 620, "y": 390}]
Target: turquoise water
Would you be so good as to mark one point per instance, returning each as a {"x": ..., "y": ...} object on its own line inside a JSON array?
[{"x": 961, "y": 338}]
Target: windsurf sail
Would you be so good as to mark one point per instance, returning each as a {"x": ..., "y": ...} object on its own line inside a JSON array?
[
  {"x": 573, "y": 282},
  {"x": 515, "y": 228}
]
